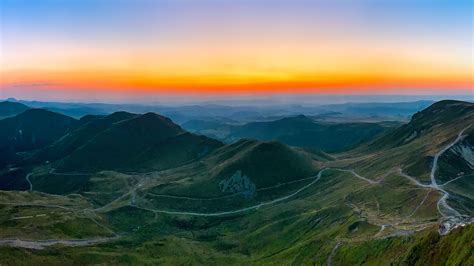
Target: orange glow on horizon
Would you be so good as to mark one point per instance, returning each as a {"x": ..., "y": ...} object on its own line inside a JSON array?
[
  {"x": 234, "y": 47},
  {"x": 150, "y": 83}
]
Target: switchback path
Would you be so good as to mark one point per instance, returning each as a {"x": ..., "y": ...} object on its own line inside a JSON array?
[
  {"x": 29, "y": 181},
  {"x": 37, "y": 205},
  {"x": 227, "y": 196},
  {"x": 370, "y": 181},
  {"x": 239, "y": 210},
  {"x": 255, "y": 207},
  {"x": 454, "y": 179},
  {"x": 40, "y": 244},
  {"x": 412, "y": 179},
  {"x": 442, "y": 202},
  {"x": 333, "y": 253},
  {"x": 419, "y": 205},
  {"x": 436, "y": 157}
]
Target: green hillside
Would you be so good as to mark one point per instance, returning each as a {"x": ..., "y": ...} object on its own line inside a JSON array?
[
  {"x": 259, "y": 164},
  {"x": 268, "y": 163},
  {"x": 413, "y": 146},
  {"x": 141, "y": 143},
  {"x": 424, "y": 122},
  {"x": 33, "y": 129},
  {"x": 138, "y": 189},
  {"x": 90, "y": 127}
]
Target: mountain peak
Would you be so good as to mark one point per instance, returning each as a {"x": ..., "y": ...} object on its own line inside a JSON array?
[
  {"x": 276, "y": 162},
  {"x": 34, "y": 128},
  {"x": 443, "y": 110},
  {"x": 446, "y": 104},
  {"x": 447, "y": 112},
  {"x": 40, "y": 113},
  {"x": 300, "y": 117},
  {"x": 153, "y": 121},
  {"x": 142, "y": 142},
  {"x": 120, "y": 115},
  {"x": 151, "y": 115}
]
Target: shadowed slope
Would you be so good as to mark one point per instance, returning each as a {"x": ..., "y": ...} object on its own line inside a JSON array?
[
  {"x": 142, "y": 143},
  {"x": 91, "y": 127},
  {"x": 33, "y": 129},
  {"x": 300, "y": 131},
  {"x": 8, "y": 109}
]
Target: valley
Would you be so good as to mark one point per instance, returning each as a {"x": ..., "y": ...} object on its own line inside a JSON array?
[
  {"x": 244, "y": 132},
  {"x": 169, "y": 196}
]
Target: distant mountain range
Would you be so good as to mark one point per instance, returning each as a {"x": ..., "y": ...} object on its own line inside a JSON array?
[
  {"x": 301, "y": 131},
  {"x": 245, "y": 112},
  {"x": 301, "y": 191},
  {"x": 8, "y": 109}
]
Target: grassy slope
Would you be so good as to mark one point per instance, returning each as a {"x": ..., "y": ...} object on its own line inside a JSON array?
[
  {"x": 30, "y": 130},
  {"x": 32, "y": 216},
  {"x": 143, "y": 143},
  {"x": 301, "y": 231},
  {"x": 424, "y": 248},
  {"x": 33, "y": 129},
  {"x": 339, "y": 208},
  {"x": 413, "y": 145},
  {"x": 90, "y": 127},
  {"x": 265, "y": 163}
]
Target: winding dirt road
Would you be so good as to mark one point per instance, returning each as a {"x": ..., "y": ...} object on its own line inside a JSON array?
[
  {"x": 254, "y": 207},
  {"x": 29, "y": 181},
  {"x": 41, "y": 244},
  {"x": 443, "y": 200}
]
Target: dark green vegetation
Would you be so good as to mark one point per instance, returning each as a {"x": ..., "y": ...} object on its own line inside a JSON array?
[
  {"x": 30, "y": 130},
  {"x": 90, "y": 127},
  {"x": 300, "y": 131},
  {"x": 142, "y": 143},
  {"x": 33, "y": 129},
  {"x": 413, "y": 145},
  {"x": 13, "y": 179},
  {"x": 8, "y": 109},
  {"x": 138, "y": 189},
  {"x": 423, "y": 122},
  {"x": 264, "y": 164},
  {"x": 126, "y": 142}
]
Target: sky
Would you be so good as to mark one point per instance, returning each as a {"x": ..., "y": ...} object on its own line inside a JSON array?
[{"x": 114, "y": 50}]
